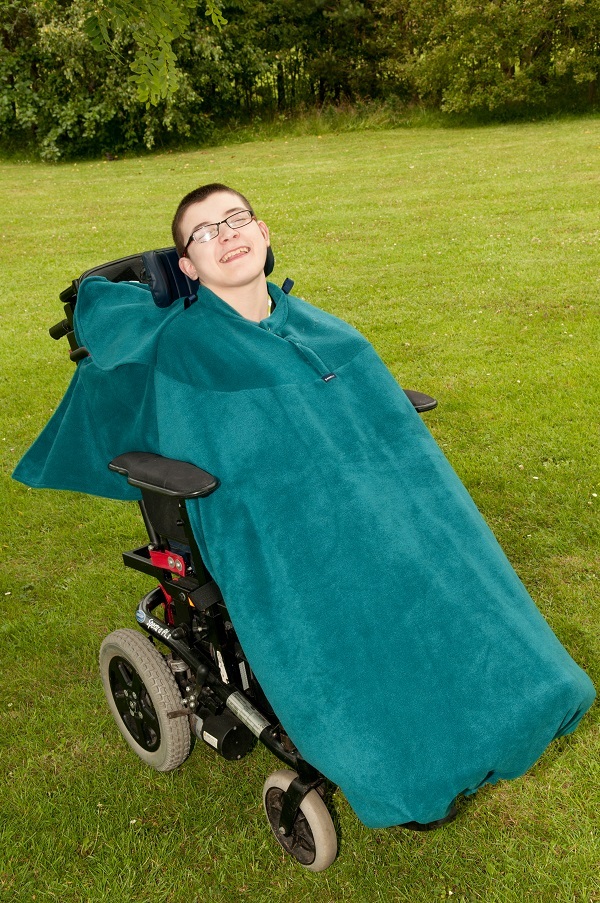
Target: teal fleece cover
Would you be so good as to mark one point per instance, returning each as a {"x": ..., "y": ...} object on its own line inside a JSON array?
[{"x": 387, "y": 628}]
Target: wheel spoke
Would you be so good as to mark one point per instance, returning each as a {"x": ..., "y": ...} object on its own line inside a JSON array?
[
  {"x": 133, "y": 726},
  {"x": 149, "y": 723},
  {"x": 121, "y": 703},
  {"x": 300, "y": 843},
  {"x": 150, "y": 737},
  {"x": 120, "y": 675},
  {"x": 147, "y": 709},
  {"x": 137, "y": 685}
]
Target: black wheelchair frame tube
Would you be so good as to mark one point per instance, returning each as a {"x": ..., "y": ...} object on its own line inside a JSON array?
[{"x": 204, "y": 670}]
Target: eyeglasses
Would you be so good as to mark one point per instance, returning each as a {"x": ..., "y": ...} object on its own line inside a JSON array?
[{"x": 235, "y": 221}]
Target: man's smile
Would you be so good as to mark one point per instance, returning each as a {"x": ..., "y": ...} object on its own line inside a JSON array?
[{"x": 236, "y": 252}]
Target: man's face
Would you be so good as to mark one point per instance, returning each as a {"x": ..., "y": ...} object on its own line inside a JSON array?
[{"x": 236, "y": 257}]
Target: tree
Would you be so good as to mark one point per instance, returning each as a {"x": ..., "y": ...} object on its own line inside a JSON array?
[
  {"x": 169, "y": 73},
  {"x": 60, "y": 95},
  {"x": 492, "y": 55},
  {"x": 153, "y": 25}
]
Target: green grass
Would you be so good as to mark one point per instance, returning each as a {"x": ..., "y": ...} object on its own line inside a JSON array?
[{"x": 471, "y": 259}]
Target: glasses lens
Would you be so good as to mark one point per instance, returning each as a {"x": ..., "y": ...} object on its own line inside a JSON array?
[
  {"x": 205, "y": 233},
  {"x": 236, "y": 220}
]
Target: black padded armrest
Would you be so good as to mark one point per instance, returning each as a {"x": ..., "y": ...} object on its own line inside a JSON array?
[
  {"x": 420, "y": 401},
  {"x": 164, "y": 475}
]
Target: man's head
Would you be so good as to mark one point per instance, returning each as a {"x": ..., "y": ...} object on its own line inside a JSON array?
[
  {"x": 194, "y": 197},
  {"x": 220, "y": 240}
]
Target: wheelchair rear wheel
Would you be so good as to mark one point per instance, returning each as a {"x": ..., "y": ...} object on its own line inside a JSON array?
[
  {"x": 142, "y": 692},
  {"x": 313, "y": 841}
]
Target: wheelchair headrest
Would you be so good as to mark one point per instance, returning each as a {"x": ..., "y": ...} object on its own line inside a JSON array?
[{"x": 167, "y": 282}]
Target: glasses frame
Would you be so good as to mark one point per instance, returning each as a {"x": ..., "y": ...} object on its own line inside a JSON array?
[{"x": 220, "y": 223}]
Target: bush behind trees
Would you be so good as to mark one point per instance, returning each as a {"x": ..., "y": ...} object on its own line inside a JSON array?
[{"x": 62, "y": 97}]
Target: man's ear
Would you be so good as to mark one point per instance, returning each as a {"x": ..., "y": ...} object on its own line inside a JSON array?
[
  {"x": 186, "y": 266},
  {"x": 265, "y": 230}
]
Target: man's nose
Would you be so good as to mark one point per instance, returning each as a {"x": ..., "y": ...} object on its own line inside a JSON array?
[{"x": 226, "y": 231}]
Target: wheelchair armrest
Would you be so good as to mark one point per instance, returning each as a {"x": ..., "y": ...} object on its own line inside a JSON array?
[
  {"x": 166, "y": 476},
  {"x": 420, "y": 401}
]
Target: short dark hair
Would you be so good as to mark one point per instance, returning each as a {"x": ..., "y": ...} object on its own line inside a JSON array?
[{"x": 194, "y": 197}]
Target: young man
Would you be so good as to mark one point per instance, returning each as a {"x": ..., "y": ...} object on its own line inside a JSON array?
[{"x": 222, "y": 243}]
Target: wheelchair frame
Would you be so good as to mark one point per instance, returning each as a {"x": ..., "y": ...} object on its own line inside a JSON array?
[{"x": 220, "y": 697}]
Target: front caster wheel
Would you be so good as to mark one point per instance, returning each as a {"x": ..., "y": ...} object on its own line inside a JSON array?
[
  {"x": 141, "y": 692},
  {"x": 313, "y": 841}
]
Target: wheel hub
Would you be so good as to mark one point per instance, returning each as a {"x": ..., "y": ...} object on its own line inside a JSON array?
[{"x": 134, "y": 704}]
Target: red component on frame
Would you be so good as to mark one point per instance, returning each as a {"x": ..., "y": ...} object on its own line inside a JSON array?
[
  {"x": 168, "y": 607},
  {"x": 168, "y": 561}
]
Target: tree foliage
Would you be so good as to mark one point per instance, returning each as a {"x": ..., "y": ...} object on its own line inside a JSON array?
[
  {"x": 60, "y": 94},
  {"x": 473, "y": 55},
  {"x": 153, "y": 26},
  {"x": 78, "y": 76}
]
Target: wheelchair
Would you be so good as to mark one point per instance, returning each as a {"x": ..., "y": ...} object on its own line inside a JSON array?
[{"x": 186, "y": 677}]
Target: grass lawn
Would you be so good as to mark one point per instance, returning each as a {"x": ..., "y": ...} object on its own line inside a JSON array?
[{"x": 471, "y": 259}]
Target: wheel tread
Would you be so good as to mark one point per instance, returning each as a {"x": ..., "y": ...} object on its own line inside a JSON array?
[
  {"x": 317, "y": 815},
  {"x": 164, "y": 693}
]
